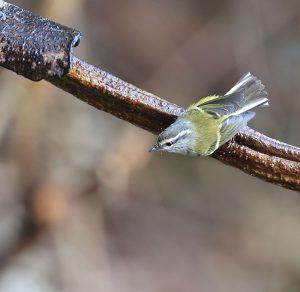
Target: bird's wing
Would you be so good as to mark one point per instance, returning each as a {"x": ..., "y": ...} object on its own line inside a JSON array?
[
  {"x": 245, "y": 95},
  {"x": 218, "y": 106},
  {"x": 232, "y": 125}
]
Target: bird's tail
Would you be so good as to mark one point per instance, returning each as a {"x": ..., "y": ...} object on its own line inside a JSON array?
[{"x": 252, "y": 90}]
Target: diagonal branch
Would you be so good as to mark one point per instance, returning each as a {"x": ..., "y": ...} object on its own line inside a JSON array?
[
  {"x": 50, "y": 58},
  {"x": 252, "y": 152}
]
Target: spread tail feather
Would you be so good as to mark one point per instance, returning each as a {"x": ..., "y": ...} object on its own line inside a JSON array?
[
  {"x": 252, "y": 90},
  {"x": 247, "y": 94}
]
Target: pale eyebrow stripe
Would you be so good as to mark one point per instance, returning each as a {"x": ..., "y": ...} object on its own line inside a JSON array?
[{"x": 177, "y": 136}]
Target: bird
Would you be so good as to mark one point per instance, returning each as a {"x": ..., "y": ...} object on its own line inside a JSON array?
[{"x": 214, "y": 120}]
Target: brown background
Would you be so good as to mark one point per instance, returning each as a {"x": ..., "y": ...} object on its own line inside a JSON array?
[{"x": 85, "y": 207}]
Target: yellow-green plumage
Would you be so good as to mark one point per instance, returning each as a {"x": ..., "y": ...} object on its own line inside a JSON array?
[
  {"x": 203, "y": 123},
  {"x": 204, "y": 100},
  {"x": 213, "y": 120}
]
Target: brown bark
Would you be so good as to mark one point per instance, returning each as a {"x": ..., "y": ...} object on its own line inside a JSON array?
[{"x": 250, "y": 151}]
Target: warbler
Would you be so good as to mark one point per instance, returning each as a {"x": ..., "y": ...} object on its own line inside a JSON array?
[{"x": 213, "y": 120}]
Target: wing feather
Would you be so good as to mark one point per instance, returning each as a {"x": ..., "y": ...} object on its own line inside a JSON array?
[
  {"x": 245, "y": 95},
  {"x": 232, "y": 125}
]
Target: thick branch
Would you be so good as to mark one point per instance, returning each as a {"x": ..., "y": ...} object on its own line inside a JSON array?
[
  {"x": 38, "y": 48},
  {"x": 252, "y": 152},
  {"x": 33, "y": 46},
  {"x": 264, "y": 144},
  {"x": 111, "y": 94}
]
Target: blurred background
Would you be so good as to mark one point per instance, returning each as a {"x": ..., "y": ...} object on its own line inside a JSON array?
[{"x": 85, "y": 207}]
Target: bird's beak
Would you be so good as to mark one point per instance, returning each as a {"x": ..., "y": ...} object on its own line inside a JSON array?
[{"x": 154, "y": 148}]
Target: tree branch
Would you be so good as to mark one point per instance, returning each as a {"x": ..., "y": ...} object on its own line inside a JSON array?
[{"x": 250, "y": 151}]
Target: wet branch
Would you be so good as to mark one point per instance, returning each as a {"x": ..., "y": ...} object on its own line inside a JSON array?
[
  {"x": 252, "y": 152},
  {"x": 41, "y": 49}
]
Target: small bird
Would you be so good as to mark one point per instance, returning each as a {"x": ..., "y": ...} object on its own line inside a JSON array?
[{"x": 213, "y": 120}]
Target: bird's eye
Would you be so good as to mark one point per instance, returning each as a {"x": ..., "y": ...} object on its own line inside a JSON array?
[{"x": 168, "y": 144}]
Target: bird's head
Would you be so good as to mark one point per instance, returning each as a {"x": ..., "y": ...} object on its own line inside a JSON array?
[{"x": 177, "y": 138}]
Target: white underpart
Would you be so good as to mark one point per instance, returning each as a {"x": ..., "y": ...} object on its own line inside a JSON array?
[{"x": 238, "y": 85}]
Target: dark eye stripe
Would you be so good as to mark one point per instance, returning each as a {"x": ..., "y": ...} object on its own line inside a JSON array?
[{"x": 170, "y": 142}]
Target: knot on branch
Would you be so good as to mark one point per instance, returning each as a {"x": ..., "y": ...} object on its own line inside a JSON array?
[{"x": 33, "y": 46}]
